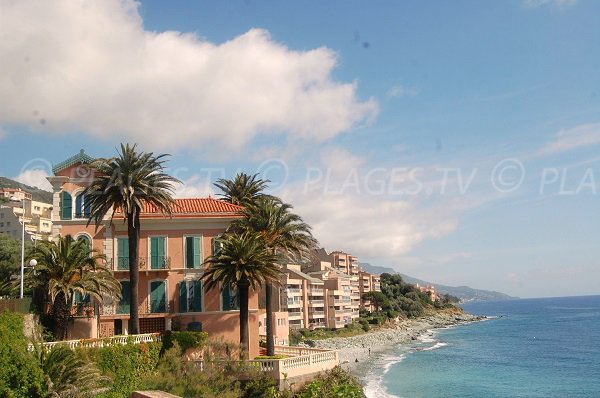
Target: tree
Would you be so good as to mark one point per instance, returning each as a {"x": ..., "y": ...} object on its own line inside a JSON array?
[
  {"x": 69, "y": 266},
  {"x": 284, "y": 233},
  {"x": 126, "y": 183},
  {"x": 10, "y": 261},
  {"x": 67, "y": 375},
  {"x": 378, "y": 299},
  {"x": 243, "y": 189},
  {"x": 245, "y": 262}
]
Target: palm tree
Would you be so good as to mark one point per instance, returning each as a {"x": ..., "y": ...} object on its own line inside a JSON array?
[
  {"x": 243, "y": 189},
  {"x": 67, "y": 375},
  {"x": 283, "y": 232},
  {"x": 69, "y": 266},
  {"x": 245, "y": 262},
  {"x": 127, "y": 182}
]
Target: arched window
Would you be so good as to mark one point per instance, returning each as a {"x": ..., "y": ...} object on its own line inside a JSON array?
[{"x": 86, "y": 239}]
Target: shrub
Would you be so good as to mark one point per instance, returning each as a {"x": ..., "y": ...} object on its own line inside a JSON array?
[
  {"x": 125, "y": 364},
  {"x": 20, "y": 374},
  {"x": 366, "y": 327},
  {"x": 332, "y": 384},
  {"x": 185, "y": 340}
]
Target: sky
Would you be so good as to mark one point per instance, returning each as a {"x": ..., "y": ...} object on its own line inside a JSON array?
[{"x": 456, "y": 142}]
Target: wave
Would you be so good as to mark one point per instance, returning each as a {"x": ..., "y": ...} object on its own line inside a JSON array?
[
  {"x": 435, "y": 347},
  {"x": 373, "y": 383}
]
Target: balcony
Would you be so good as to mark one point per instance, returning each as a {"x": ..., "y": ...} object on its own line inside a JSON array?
[
  {"x": 294, "y": 315},
  {"x": 316, "y": 314},
  {"x": 316, "y": 303},
  {"x": 152, "y": 263}
]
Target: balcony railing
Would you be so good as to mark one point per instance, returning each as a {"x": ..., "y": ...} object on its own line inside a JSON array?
[
  {"x": 104, "y": 342},
  {"x": 316, "y": 314},
  {"x": 314, "y": 303},
  {"x": 152, "y": 263}
]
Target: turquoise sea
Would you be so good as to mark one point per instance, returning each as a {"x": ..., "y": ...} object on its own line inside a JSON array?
[{"x": 530, "y": 348}]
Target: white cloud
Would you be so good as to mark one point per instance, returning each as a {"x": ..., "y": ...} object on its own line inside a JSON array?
[
  {"x": 34, "y": 178},
  {"x": 194, "y": 187},
  {"x": 576, "y": 137},
  {"x": 555, "y": 3},
  {"x": 91, "y": 67},
  {"x": 401, "y": 91}
]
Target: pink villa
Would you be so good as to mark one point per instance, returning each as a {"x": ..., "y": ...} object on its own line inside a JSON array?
[{"x": 172, "y": 250}]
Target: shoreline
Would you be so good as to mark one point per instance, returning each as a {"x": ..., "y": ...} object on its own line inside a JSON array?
[{"x": 366, "y": 347}]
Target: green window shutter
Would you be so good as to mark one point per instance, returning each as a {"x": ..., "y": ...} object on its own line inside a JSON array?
[
  {"x": 77, "y": 297},
  {"x": 197, "y": 302},
  {"x": 157, "y": 297},
  {"x": 189, "y": 252},
  {"x": 157, "y": 253},
  {"x": 197, "y": 252},
  {"x": 122, "y": 253},
  {"x": 66, "y": 206},
  {"x": 123, "y": 307},
  {"x": 182, "y": 297},
  {"x": 225, "y": 295}
]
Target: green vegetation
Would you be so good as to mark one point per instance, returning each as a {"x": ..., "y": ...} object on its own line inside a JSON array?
[
  {"x": 184, "y": 340},
  {"x": 125, "y": 364},
  {"x": 283, "y": 232},
  {"x": 332, "y": 384},
  {"x": 20, "y": 375},
  {"x": 10, "y": 261},
  {"x": 127, "y": 182},
  {"x": 68, "y": 267},
  {"x": 245, "y": 262}
]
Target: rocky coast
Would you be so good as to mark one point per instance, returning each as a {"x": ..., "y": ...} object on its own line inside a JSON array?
[{"x": 356, "y": 351}]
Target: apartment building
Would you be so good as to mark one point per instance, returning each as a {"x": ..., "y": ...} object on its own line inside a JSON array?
[
  {"x": 340, "y": 261},
  {"x": 303, "y": 298},
  {"x": 172, "y": 250},
  {"x": 430, "y": 290},
  {"x": 19, "y": 208},
  {"x": 368, "y": 283}
]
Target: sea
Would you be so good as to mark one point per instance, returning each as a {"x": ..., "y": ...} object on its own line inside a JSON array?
[{"x": 548, "y": 347}]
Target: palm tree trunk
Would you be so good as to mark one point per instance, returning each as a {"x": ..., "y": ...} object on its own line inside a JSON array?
[
  {"x": 133, "y": 232},
  {"x": 61, "y": 313},
  {"x": 244, "y": 338},
  {"x": 270, "y": 336}
]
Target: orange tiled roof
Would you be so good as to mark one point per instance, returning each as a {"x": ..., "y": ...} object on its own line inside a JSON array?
[{"x": 194, "y": 207}]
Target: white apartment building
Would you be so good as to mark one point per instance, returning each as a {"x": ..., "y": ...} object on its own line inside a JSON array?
[{"x": 36, "y": 215}]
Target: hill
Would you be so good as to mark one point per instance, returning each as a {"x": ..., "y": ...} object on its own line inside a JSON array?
[
  {"x": 465, "y": 293},
  {"x": 37, "y": 194}
]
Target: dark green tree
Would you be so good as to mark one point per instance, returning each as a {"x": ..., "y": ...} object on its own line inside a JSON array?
[
  {"x": 69, "y": 266},
  {"x": 245, "y": 262}
]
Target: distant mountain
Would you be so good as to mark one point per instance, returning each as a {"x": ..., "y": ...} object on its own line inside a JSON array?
[
  {"x": 37, "y": 194},
  {"x": 465, "y": 293}
]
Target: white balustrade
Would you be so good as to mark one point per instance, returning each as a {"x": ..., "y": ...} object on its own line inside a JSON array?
[{"x": 103, "y": 342}]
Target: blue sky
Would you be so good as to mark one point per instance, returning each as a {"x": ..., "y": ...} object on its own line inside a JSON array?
[{"x": 453, "y": 141}]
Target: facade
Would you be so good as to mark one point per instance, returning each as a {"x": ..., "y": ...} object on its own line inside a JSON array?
[
  {"x": 172, "y": 250},
  {"x": 368, "y": 283},
  {"x": 303, "y": 298},
  {"x": 430, "y": 290},
  {"x": 37, "y": 216}
]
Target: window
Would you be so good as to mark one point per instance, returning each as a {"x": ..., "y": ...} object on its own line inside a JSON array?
[
  {"x": 158, "y": 297},
  {"x": 86, "y": 239},
  {"x": 123, "y": 253},
  {"x": 66, "y": 206},
  {"x": 123, "y": 306},
  {"x": 8, "y": 223},
  {"x": 230, "y": 298},
  {"x": 36, "y": 208},
  {"x": 190, "y": 296},
  {"x": 82, "y": 210},
  {"x": 193, "y": 250},
  {"x": 217, "y": 244},
  {"x": 158, "y": 259},
  {"x": 1, "y": 224}
]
